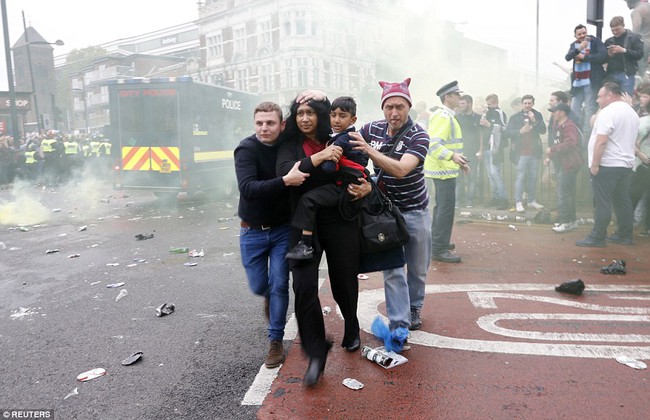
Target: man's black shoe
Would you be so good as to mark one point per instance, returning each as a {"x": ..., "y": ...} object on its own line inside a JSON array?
[
  {"x": 301, "y": 251},
  {"x": 354, "y": 345},
  {"x": 618, "y": 240},
  {"x": 446, "y": 256},
  {"x": 591, "y": 242},
  {"x": 575, "y": 287},
  {"x": 316, "y": 368}
]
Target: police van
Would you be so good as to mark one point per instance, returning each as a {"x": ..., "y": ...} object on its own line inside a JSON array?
[{"x": 172, "y": 135}]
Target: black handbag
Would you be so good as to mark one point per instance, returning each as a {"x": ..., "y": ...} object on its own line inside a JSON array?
[
  {"x": 383, "y": 235},
  {"x": 383, "y": 229},
  {"x": 382, "y": 225}
]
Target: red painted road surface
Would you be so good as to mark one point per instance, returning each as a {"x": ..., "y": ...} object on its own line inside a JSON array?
[{"x": 497, "y": 341}]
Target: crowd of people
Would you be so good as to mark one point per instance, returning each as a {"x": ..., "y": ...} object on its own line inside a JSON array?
[
  {"x": 303, "y": 180},
  {"x": 51, "y": 158}
]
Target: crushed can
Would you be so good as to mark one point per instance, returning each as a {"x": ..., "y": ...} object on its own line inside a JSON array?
[
  {"x": 352, "y": 383},
  {"x": 375, "y": 356}
]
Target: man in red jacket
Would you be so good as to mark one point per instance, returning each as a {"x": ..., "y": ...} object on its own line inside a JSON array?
[{"x": 565, "y": 153}]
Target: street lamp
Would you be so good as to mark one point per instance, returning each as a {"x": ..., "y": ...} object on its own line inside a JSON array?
[
  {"x": 10, "y": 76},
  {"x": 31, "y": 69}
]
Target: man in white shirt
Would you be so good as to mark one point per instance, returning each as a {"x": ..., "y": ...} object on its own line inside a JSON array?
[{"x": 611, "y": 158}]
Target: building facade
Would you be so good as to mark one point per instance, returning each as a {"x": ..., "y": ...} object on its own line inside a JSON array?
[
  {"x": 276, "y": 48},
  {"x": 32, "y": 47}
]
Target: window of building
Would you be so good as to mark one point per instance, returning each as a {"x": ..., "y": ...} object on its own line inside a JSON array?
[
  {"x": 288, "y": 75},
  {"x": 239, "y": 35},
  {"x": 337, "y": 76},
  {"x": 264, "y": 32},
  {"x": 302, "y": 71},
  {"x": 241, "y": 79},
  {"x": 316, "y": 71},
  {"x": 217, "y": 79},
  {"x": 286, "y": 24},
  {"x": 215, "y": 45},
  {"x": 266, "y": 78},
  {"x": 300, "y": 18}
]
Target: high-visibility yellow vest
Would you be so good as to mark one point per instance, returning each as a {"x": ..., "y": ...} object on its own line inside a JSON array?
[
  {"x": 71, "y": 147},
  {"x": 47, "y": 145},
  {"x": 446, "y": 139},
  {"x": 85, "y": 149},
  {"x": 94, "y": 148},
  {"x": 30, "y": 158}
]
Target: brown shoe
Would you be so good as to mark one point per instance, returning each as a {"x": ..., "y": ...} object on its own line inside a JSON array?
[{"x": 276, "y": 355}]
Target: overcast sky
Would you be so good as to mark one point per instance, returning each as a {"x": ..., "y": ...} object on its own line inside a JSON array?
[{"x": 508, "y": 24}]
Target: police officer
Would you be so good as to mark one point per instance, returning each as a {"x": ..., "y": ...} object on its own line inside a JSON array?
[
  {"x": 31, "y": 163},
  {"x": 71, "y": 151},
  {"x": 52, "y": 151}
]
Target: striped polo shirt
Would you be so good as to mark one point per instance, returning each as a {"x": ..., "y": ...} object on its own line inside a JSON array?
[{"x": 408, "y": 193}]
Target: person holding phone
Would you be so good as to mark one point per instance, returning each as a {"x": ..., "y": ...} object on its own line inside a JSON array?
[
  {"x": 588, "y": 54},
  {"x": 624, "y": 50}
]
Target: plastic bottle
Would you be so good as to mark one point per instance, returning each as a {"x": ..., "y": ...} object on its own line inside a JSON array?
[
  {"x": 179, "y": 250},
  {"x": 122, "y": 293}
]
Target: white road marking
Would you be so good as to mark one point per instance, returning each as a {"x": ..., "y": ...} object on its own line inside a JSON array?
[
  {"x": 629, "y": 297},
  {"x": 261, "y": 386},
  {"x": 488, "y": 323},
  {"x": 263, "y": 381},
  {"x": 369, "y": 300},
  {"x": 486, "y": 300}
]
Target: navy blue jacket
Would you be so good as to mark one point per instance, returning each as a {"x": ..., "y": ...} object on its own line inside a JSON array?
[{"x": 597, "y": 57}]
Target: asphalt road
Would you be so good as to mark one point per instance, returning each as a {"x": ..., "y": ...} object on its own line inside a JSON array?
[{"x": 58, "y": 319}]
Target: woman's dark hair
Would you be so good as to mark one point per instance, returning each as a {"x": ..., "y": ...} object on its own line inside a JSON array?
[{"x": 322, "y": 109}]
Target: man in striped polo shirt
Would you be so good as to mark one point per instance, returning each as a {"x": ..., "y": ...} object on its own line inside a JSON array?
[{"x": 403, "y": 180}]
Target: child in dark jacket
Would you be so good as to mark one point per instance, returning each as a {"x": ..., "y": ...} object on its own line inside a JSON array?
[{"x": 349, "y": 169}]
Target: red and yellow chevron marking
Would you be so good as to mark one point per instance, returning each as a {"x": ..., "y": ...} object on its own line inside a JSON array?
[
  {"x": 150, "y": 159},
  {"x": 135, "y": 159},
  {"x": 169, "y": 154}
]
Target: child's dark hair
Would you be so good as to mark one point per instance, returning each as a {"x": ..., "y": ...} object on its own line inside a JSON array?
[{"x": 345, "y": 104}]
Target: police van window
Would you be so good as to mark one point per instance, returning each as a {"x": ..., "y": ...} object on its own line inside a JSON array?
[{"x": 131, "y": 117}]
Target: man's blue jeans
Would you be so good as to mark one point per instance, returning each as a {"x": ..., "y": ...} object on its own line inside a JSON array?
[
  {"x": 495, "y": 176},
  {"x": 566, "y": 195},
  {"x": 527, "y": 167},
  {"x": 404, "y": 286},
  {"x": 584, "y": 95},
  {"x": 625, "y": 81},
  {"x": 263, "y": 256}
]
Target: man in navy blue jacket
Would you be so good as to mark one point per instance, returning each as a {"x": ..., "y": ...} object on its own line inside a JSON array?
[
  {"x": 264, "y": 212},
  {"x": 588, "y": 54}
]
